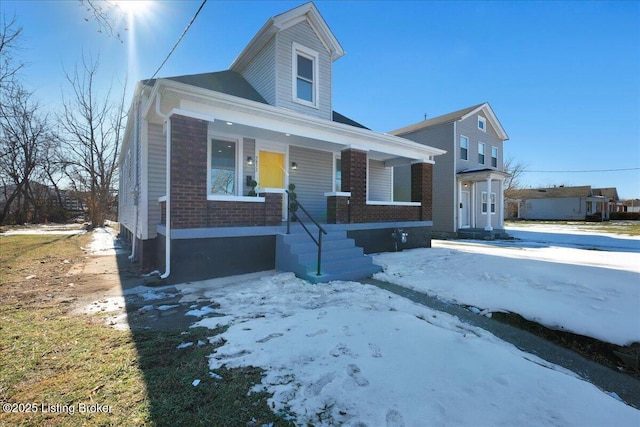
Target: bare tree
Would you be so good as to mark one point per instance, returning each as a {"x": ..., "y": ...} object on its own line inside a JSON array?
[
  {"x": 9, "y": 65},
  {"x": 92, "y": 129},
  {"x": 515, "y": 169},
  {"x": 25, "y": 137},
  {"x": 109, "y": 16}
]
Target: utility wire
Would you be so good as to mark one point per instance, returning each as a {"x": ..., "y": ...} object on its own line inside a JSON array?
[
  {"x": 177, "y": 42},
  {"x": 584, "y": 171}
]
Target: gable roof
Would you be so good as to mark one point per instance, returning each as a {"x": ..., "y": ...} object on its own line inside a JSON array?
[
  {"x": 233, "y": 83},
  {"x": 611, "y": 192},
  {"x": 454, "y": 117},
  {"x": 552, "y": 192},
  {"x": 228, "y": 82},
  {"x": 308, "y": 12}
]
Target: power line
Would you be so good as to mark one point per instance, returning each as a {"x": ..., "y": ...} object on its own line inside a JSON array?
[
  {"x": 583, "y": 171},
  {"x": 177, "y": 42}
]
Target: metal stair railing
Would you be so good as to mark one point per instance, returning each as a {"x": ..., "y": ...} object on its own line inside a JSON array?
[{"x": 293, "y": 202}]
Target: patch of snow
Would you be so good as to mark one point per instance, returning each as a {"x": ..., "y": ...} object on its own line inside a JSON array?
[
  {"x": 200, "y": 312},
  {"x": 57, "y": 229},
  {"x": 560, "y": 285},
  {"x": 167, "y": 307},
  {"x": 353, "y": 354},
  {"x": 104, "y": 242},
  {"x": 185, "y": 345},
  {"x": 195, "y": 383}
]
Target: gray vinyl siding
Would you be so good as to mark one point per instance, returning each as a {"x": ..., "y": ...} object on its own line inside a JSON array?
[
  {"x": 469, "y": 128},
  {"x": 248, "y": 150},
  {"x": 157, "y": 169},
  {"x": 312, "y": 179},
  {"x": 570, "y": 208},
  {"x": 261, "y": 72},
  {"x": 481, "y": 219},
  {"x": 380, "y": 182},
  {"x": 304, "y": 35},
  {"x": 444, "y": 178}
]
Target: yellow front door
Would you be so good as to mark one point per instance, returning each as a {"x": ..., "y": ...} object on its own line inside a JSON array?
[{"x": 270, "y": 170}]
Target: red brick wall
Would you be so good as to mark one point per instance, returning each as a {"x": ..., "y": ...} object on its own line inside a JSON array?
[
  {"x": 189, "y": 205},
  {"x": 422, "y": 188},
  {"x": 337, "y": 210},
  {"x": 188, "y": 172},
  {"x": 354, "y": 180}
]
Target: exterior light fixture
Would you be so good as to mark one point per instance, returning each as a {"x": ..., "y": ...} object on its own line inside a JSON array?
[
  {"x": 249, "y": 161},
  {"x": 294, "y": 166}
]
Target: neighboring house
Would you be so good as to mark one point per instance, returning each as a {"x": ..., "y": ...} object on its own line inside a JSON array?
[
  {"x": 615, "y": 205},
  {"x": 632, "y": 205},
  {"x": 560, "y": 203},
  {"x": 196, "y": 146},
  {"x": 468, "y": 180}
]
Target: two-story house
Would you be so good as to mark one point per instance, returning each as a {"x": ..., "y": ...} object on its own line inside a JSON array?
[
  {"x": 468, "y": 180},
  {"x": 207, "y": 160}
]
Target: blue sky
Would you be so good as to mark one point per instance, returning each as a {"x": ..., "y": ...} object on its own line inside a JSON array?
[{"x": 562, "y": 77}]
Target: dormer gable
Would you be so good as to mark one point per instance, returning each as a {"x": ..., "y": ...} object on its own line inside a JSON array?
[{"x": 289, "y": 61}]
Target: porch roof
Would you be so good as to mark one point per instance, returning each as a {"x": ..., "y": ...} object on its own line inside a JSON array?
[
  {"x": 482, "y": 174},
  {"x": 228, "y": 113}
]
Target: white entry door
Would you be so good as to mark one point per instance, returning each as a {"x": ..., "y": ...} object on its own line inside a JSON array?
[{"x": 464, "y": 209}]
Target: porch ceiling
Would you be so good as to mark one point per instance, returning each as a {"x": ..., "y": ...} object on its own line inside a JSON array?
[{"x": 239, "y": 130}]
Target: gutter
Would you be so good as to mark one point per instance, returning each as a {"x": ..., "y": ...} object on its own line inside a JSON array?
[{"x": 167, "y": 251}]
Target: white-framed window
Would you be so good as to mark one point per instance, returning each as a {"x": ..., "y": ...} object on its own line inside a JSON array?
[
  {"x": 482, "y": 123},
  {"x": 464, "y": 148},
  {"x": 494, "y": 157},
  {"x": 481, "y": 153},
  {"x": 223, "y": 167},
  {"x": 305, "y": 75},
  {"x": 488, "y": 202}
]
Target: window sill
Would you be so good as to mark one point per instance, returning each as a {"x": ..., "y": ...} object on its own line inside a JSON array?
[
  {"x": 380, "y": 203},
  {"x": 248, "y": 199}
]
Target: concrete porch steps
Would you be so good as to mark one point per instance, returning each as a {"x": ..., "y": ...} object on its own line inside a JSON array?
[{"x": 341, "y": 258}]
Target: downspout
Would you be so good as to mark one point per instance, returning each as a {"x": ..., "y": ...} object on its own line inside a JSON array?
[
  {"x": 167, "y": 250},
  {"x": 136, "y": 187}
]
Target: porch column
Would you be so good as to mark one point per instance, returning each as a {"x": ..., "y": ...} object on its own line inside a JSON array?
[
  {"x": 458, "y": 200},
  {"x": 500, "y": 203},
  {"x": 488, "y": 227},
  {"x": 422, "y": 188},
  {"x": 354, "y": 181}
]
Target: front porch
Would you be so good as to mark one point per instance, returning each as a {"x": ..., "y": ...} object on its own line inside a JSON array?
[
  {"x": 480, "y": 213},
  {"x": 227, "y": 204}
]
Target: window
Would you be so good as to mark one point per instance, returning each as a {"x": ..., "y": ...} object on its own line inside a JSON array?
[
  {"x": 305, "y": 72},
  {"x": 486, "y": 199},
  {"x": 338, "y": 181},
  {"x": 494, "y": 157},
  {"x": 464, "y": 148},
  {"x": 482, "y": 123},
  {"x": 223, "y": 167},
  {"x": 304, "y": 82},
  {"x": 481, "y": 153}
]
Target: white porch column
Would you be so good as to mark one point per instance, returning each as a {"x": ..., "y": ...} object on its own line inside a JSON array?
[
  {"x": 488, "y": 227},
  {"x": 458, "y": 198},
  {"x": 500, "y": 203}
]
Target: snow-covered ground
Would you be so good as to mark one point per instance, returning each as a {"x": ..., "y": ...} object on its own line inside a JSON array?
[
  {"x": 584, "y": 283},
  {"x": 346, "y": 353},
  {"x": 63, "y": 229}
]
